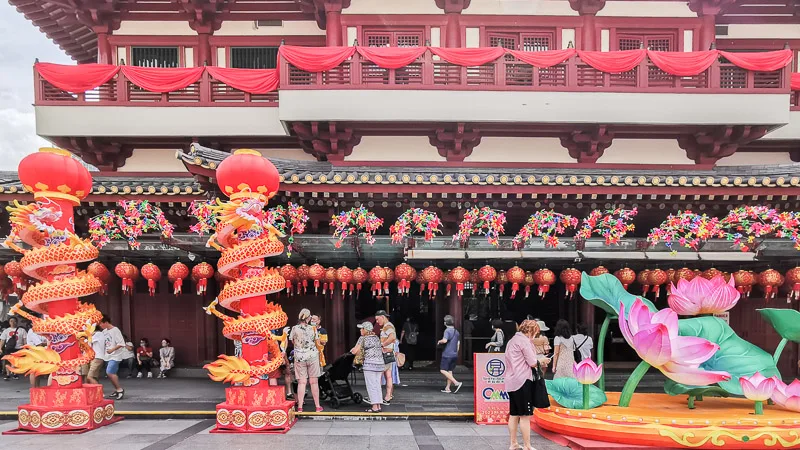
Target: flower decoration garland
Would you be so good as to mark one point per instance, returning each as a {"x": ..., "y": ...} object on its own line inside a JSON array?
[
  {"x": 484, "y": 221},
  {"x": 350, "y": 223},
  {"x": 687, "y": 229},
  {"x": 548, "y": 225},
  {"x": 415, "y": 220},
  {"x": 203, "y": 211},
  {"x": 612, "y": 224},
  {"x": 745, "y": 224},
  {"x": 135, "y": 219},
  {"x": 290, "y": 219}
]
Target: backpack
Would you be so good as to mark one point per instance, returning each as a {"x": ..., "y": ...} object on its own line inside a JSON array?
[
  {"x": 11, "y": 344},
  {"x": 576, "y": 352},
  {"x": 412, "y": 336}
]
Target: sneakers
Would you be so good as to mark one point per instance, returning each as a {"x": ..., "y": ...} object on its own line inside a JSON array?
[
  {"x": 149, "y": 374},
  {"x": 446, "y": 391},
  {"x": 161, "y": 375},
  {"x": 6, "y": 378},
  {"x": 16, "y": 377},
  {"x": 116, "y": 395},
  {"x": 458, "y": 386},
  {"x": 139, "y": 375}
]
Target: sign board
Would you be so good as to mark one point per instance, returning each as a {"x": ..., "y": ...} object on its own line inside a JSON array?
[
  {"x": 725, "y": 316},
  {"x": 491, "y": 399}
]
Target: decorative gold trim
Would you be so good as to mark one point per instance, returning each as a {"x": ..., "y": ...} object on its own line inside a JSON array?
[{"x": 41, "y": 195}]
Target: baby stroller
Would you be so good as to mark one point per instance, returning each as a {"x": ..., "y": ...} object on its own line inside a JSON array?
[{"x": 333, "y": 384}]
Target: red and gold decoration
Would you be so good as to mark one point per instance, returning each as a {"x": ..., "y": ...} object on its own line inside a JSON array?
[
  {"x": 317, "y": 273},
  {"x": 459, "y": 276},
  {"x": 771, "y": 280},
  {"x": 656, "y": 278},
  {"x": 152, "y": 274},
  {"x": 356, "y": 220},
  {"x": 599, "y": 270},
  {"x": 303, "y": 275},
  {"x": 571, "y": 278},
  {"x": 626, "y": 276},
  {"x": 415, "y": 220},
  {"x": 486, "y": 275},
  {"x": 643, "y": 278},
  {"x": 501, "y": 281},
  {"x": 176, "y": 274},
  {"x": 793, "y": 280},
  {"x": 100, "y": 271},
  {"x": 58, "y": 182},
  {"x": 612, "y": 224},
  {"x": 711, "y": 273},
  {"x": 329, "y": 284},
  {"x": 344, "y": 275},
  {"x": 432, "y": 276},
  {"x": 200, "y": 274},
  {"x": 136, "y": 218},
  {"x": 544, "y": 278},
  {"x": 129, "y": 273},
  {"x": 744, "y": 280},
  {"x": 483, "y": 221},
  {"x": 360, "y": 277},
  {"x": 290, "y": 274},
  {"x": 548, "y": 225},
  {"x": 528, "y": 282},
  {"x": 515, "y": 276},
  {"x": 244, "y": 237},
  {"x": 376, "y": 277},
  {"x": 405, "y": 274}
]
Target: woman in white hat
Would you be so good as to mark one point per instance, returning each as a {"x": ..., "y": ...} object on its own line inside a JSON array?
[
  {"x": 541, "y": 342},
  {"x": 369, "y": 353},
  {"x": 305, "y": 339}
]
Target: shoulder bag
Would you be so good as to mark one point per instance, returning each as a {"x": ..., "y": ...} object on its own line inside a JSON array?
[
  {"x": 540, "y": 397},
  {"x": 576, "y": 352}
]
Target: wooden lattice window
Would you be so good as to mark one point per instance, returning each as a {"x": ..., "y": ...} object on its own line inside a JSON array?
[
  {"x": 537, "y": 42},
  {"x": 656, "y": 42},
  {"x": 155, "y": 57},
  {"x": 529, "y": 42},
  {"x": 254, "y": 57},
  {"x": 394, "y": 38}
]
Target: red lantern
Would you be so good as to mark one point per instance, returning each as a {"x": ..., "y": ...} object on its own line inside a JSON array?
[
  {"x": 404, "y": 274},
  {"x": 176, "y": 274},
  {"x": 290, "y": 274},
  {"x": 421, "y": 282},
  {"x": 711, "y": 273},
  {"x": 330, "y": 280},
  {"x": 14, "y": 270},
  {"x": 656, "y": 278},
  {"x": 771, "y": 279},
  {"x": 544, "y": 278},
  {"x": 100, "y": 271},
  {"x": 683, "y": 274},
  {"x": 152, "y": 274},
  {"x": 744, "y": 281},
  {"x": 345, "y": 276},
  {"x": 528, "y": 282},
  {"x": 501, "y": 281},
  {"x": 625, "y": 276},
  {"x": 516, "y": 276},
  {"x": 317, "y": 273},
  {"x": 644, "y": 279},
  {"x": 460, "y": 277},
  {"x": 599, "y": 270},
  {"x": 376, "y": 276},
  {"x": 571, "y": 278},
  {"x": 360, "y": 277},
  {"x": 247, "y": 174},
  {"x": 793, "y": 279},
  {"x": 448, "y": 282},
  {"x": 388, "y": 277},
  {"x": 303, "y": 277},
  {"x": 201, "y": 273},
  {"x": 66, "y": 178},
  {"x": 127, "y": 271},
  {"x": 486, "y": 274},
  {"x": 432, "y": 276}
]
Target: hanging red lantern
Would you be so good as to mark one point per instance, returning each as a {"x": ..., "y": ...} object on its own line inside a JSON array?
[
  {"x": 152, "y": 274},
  {"x": 316, "y": 273},
  {"x": 201, "y": 273},
  {"x": 771, "y": 280},
  {"x": 656, "y": 278},
  {"x": 544, "y": 278},
  {"x": 344, "y": 275},
  {"x": 128, "y": 272},
  {"x": 405, "y": 274},
  {"x": 290, "y": 274},
  {"x": 100, "y": 271},
  {"x": 501, "y": 281},
  {"x": 302, "y": 278},
  {"x": 744, "y": 280},
  {"x": 360, "y": 276},
  {"x": 14, "y": 270},
  {"x": 528, "y": 282},
  {"x": 330, "y": 280},
  {"x": 376, "y": 276},
  {"x": 516, "y": 276},
  {"x": 432, "y": 276},
  {"x": 683, "y": 274},
  {"x": 599, "y": 270},
  {"x": 571, "y": 277},
  {"x": 793, "y": 280},
  {"x": 643, "y": 278},
  {"x": 709, "y": 274},
  {"x": 388, "y": 277},
  {"x": 421, "y": 282},
  {"x": 459, "y": 276},
  {"x": 486, "y": 275},
  {"x": 670, "y": 277},
  {"x": 176, "y": 274},
  {"x": 247, "y": 174},
  {"x": 448, "y": 283},
  {"x": 474, "y": 281},
  {"x": 626, "y": 276}
]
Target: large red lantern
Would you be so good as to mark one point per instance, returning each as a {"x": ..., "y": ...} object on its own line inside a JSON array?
[
  {"x": 388, "y": 277},
  {"x": 474, "y": 281},
  {"x": 330, "y": 280},
  {"x": 528, "y": 282},
  {"x": 404, "y": 274},
  {"x": 14, "y": 270},
  {"x": 303, "y": 277},
  {"x": 152, "y": 274},
  {"x": 626, "y": 276},
  {"x": 176, "y": 274},
  {"x": 516, "y": 276},
  {"x": 571, "y": 277},
  {"x": 459, "y": 276},
  {"x": 448, "y": 282},
  {"x": 793, "y": 280},
  {"x": 290, "y": 274},
  {"x": 771, "y": 280},
  {"x": 100, "y": 271},
  {"x": 683, "y": 274},
  {"x": 316, "y": 273},
  {"x": 643, "y": 278},
  {"x": 247, "y": 175},
  {"x": 656, "y": 278},
  {"x": 432, "y": 276},
  {"x": 128, "y": 272},
  {"x": 597, "y": 271},
  {"x": 360, "y": 277},
  {"x": 744, "y": 281},
  {"x": 486, "y": 275},
  {"x": 501, "y": 281},
  {"x": 544, "y": 278},
  {"x": 711, "y": 273},
  {"x": 344, "y": 275},
  {"x": 376, "y": 276},
  {"x": 201, "y": 273},
  {"x": 66, "y": 178}
]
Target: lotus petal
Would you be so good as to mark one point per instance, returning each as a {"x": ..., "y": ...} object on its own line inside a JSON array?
[
  {"x": 682, "y": 305},
  {"x": 653, "y": 344},
  {"x": 669, "y": 319},
  {"x": 691, "y": 350},
  {"x": 692, "y": 376},
  {"x": 587, "y": 372},
  {"x": 758, "y": 388},
  {"x": 720, "y": 300},
  {"x": 639, "y": 316}
]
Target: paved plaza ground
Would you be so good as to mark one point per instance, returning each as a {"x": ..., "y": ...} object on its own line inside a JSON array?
[{"x": 308, "y": 434}]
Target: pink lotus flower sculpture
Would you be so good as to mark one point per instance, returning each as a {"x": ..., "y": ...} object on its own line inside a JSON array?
[
  {"x": 758, "y": 388},
  {"x": 702, "y": 296},
  {"x": 587, "y": 373},
  {"x": 787, "y": 396},
  {"x": 655, "y": 338}
]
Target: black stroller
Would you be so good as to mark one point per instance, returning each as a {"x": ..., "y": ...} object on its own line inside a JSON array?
[{"x": 334, "y": 385}]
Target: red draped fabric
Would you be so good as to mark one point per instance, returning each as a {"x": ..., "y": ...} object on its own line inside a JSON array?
[
  {"x": 761, "y": 61},
  {"x": 613, "y": 62},
  {"x": 76, "y": 79},
  {"x": 315, "y": 59},
  {"x": 796, "y": 81},
  {"x": 543, "y": 59},
  {"x": 469, "y": 57},
  {"x": 253, "y": 81},
  {"x": 391, "y": 57},
  {"x": 683, "y": 64},
  {"x": 159, "y": 79}
]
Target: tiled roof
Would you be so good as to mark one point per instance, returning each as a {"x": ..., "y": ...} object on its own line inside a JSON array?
[{"x": 166, "y": 186}]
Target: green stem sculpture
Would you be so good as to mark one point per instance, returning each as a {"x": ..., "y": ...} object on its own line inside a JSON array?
[
  {"x": 586, "y": 396},
  {"x": 601, "y": 347},
  {"x": 633, "y": 381},
  {"x": 777, "y": 355},
  {"x": 759, "y": 408}
]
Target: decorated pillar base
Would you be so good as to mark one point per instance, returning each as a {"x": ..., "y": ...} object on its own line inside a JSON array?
[
  {"x": 255, "y": 409},
  {"x": 57, "y": 410}
]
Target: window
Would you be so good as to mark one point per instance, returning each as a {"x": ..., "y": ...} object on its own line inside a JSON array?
[
  {"x": 254, "y": 57},
  {"x": 658, "y": 42},
  {"x": 527, "y": 41},
  {"x": 155, "y": 56},
  {"x": 393, "y": 38}
]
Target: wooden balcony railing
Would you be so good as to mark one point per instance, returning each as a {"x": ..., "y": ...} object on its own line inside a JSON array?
[
  {"x": 120, "y": 92},
  {"x": 509, "y": 74}
]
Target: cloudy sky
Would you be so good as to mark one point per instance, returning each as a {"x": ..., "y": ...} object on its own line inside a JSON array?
[{"x": 20, "y": 44}]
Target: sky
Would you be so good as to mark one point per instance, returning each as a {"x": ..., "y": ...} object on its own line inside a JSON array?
[{"x": 20, "y": 44}]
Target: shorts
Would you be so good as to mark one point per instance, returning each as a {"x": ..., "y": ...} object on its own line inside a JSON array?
[
  {"x": 95, "y": 367},
  {"x": 520, "y": 402},
  {"x": 307, "y": 369},
  {"x": 113, "y": 367},
  {"x": 448, "y": 363}
]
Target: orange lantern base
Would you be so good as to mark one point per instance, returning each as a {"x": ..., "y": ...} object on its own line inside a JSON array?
[
  {"x": 664, "y": 421},
  {"x": 255, "y": 409}
]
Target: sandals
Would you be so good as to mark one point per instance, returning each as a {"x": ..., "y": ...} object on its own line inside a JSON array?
[
  {"x": 373, "y": 411},
  {"x": 319, "y": 409}
]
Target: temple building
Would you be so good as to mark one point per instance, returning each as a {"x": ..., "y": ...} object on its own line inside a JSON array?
[{"x": 375, "y": 103}]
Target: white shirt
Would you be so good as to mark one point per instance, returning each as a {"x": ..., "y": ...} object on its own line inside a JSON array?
[
  {"x": 9, "y": 332},
  {"x": 99, "y": 345},
  {"x": 114, "y": 338},
  {"x": 35, "y": 339},
  {"x": 127, "y": 354},
  {"x": 585, "y": 347},
  {"x": 569, "y": 343}
]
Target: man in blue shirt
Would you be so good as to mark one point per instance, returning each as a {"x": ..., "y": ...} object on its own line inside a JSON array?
[{"x": 452, "y": 344}]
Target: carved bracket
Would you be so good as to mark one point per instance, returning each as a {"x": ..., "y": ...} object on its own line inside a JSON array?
[
  {"x": 320, "y": 7},
  {"x": 452, "y": 6},
  {"x": 587, "y": 146},
  {"x": 204, "y": 16},
  {"x": 708, "y": 7},
  {"x": 106, "y": 156},
  {"x": 455, "y": 145},
  {"x": 708, "y": 147},
  {"x": 326, "y": 140},
  {"x": 587, "y": 7}
]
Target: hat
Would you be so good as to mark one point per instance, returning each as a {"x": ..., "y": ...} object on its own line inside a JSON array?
[
  {"x": 365, "y": 326},
  {"x": 304, "y": 314},
  {"x": 542, "y": 325},
  {"x": 381, "y": 312}
]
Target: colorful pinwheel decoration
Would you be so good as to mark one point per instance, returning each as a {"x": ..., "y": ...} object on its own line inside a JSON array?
[
  {"x": 612, "y": 224},
  {"x": 203, "y": 211},
  {"x": 548, "y": 225},
  {"x": 687, "y": 229},
  {"x": 354, "y": 221},
  {"x": 135, "y": 219},
  {"x": 745, "y": 224},
  {"x": 483, "y": 221},
  {"x": 289, "y": 220},
  {"x": 415, "y": 220}
]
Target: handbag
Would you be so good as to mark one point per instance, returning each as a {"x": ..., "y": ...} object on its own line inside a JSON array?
[
  {"x": 388, "y": 357},
  {"x": 540, "y": 397},
  {"x": 576, "y": 351},
  {"x": 401, "y": 359}
]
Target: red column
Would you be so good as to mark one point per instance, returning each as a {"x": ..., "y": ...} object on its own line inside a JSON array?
[
  {"x": 453, "y": 30},
  {"x": 707, "y": 11},
  {"x": 203, "y": 48},
  {"x": 333, "y": 25},
  {"x": 708, "y": 33},
  {"x": 588, "y": 10},
  {"x": 103, "y": 48}
]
